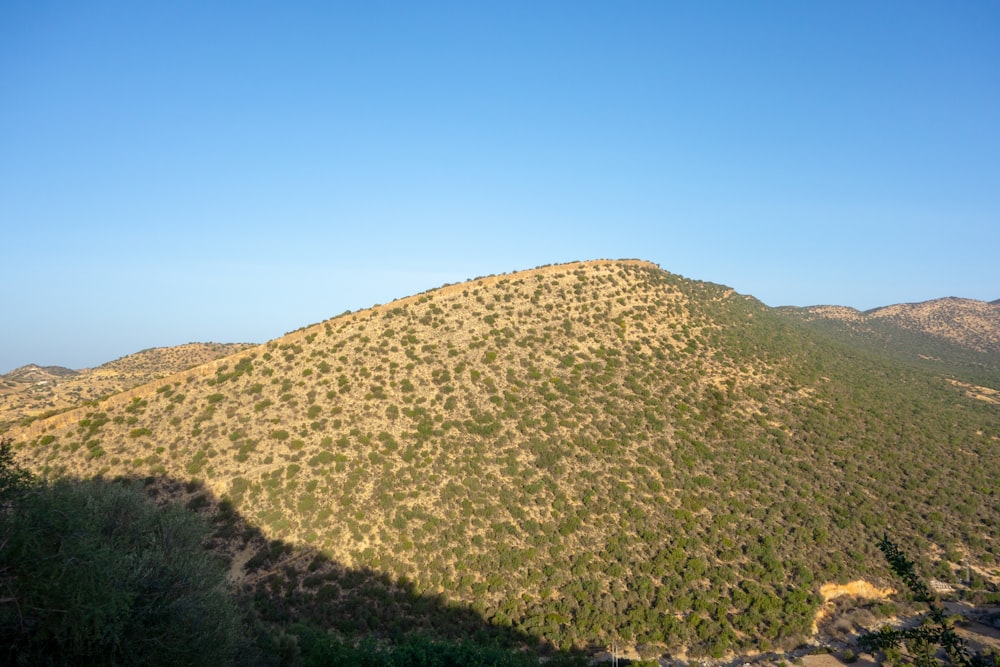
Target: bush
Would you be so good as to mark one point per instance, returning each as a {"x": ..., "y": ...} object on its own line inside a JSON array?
[
  {"x": 96, "y": 574},
  {"x": 13, "y": 479}
]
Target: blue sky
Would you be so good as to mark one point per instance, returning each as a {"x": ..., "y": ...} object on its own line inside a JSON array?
[{"x": 210, "y": 171}]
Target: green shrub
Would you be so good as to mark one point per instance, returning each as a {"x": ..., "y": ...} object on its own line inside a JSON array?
[
  {"x": 97, "y": 572},
  {"x": 323, "y": 458}
]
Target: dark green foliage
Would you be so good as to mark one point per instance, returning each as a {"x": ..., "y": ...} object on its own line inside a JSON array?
[
  {"x": 14, "y": 480},
  {"x": 245, "y": 366},
  {"x": 919, "y": 640},
  {"x": 322, "y": 650},
  {"x": 94, "y": 573}
]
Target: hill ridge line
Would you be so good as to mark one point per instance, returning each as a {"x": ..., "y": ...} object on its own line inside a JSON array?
[
  {"x": 571, "y": 451},
  {"x": 43, "y": 425},
  {"x": 449, "y": 289}
]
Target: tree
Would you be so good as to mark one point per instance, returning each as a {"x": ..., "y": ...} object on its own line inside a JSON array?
[
  {"x": 93, "y": 572},
  {"x": 14, "y": 480},
  {"x": 921, "y": 641}
]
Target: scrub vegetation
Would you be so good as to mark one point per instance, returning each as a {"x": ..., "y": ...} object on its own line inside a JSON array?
[{"x": 567, "y": 457}]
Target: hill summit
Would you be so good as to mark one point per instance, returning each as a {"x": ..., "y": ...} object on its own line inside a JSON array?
[
  {"x": 967, "y": 322},
  {"x": 585, "y": 453}
]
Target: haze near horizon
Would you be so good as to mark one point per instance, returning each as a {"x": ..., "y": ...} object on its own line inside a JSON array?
[{"x": 189, "y": 173}]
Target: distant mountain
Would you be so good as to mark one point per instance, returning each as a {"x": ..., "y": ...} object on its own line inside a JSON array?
[
  {"x": 585, "y": 454},
  {"x": 34, "y": 374},
  {"x": 32, "y": 390},
  {"x": 959, "y": 337},
  {"x": 966, "y": 322}
]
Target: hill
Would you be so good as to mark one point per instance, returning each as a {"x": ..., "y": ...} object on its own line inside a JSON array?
[
  {"x": 36, "y": 374},
  {"x": 584, "y": 453},
  {"x": 969, "y": 323},
  {"x": 956, "y": 337},
  {"x": 33, "y": 390}
]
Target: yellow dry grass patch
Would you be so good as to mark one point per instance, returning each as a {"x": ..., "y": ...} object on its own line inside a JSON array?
[
  {"x": 860, "y": 589},
  {"x": 984, "y": 394}
]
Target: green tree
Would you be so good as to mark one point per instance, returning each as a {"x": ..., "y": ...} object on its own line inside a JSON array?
[
  {"x": 13, "y": 479},
  {"x": 920, "y": 641},
  {"x": 95, "y": 573}
]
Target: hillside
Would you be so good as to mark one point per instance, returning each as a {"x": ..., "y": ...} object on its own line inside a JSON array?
[
  {"x": 33, "y": 390},
  {"x": 34, "y": 373},
  {"x": 956, "y": 337},
  {"x": 969, "y": 323},
  {"x": 581, "y": 453}
]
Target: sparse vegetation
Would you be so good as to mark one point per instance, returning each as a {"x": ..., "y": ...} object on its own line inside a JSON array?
[
  {"x": 923, "y": 641},
  {"x": 575, "y": 455},
  {"x": 36, "y": 392}
]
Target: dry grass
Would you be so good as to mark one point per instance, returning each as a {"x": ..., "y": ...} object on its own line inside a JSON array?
[
  {"x": 970, "y": 323},
  {"x": 472, "y": 438},
  {"x": 33, "y": 393}
]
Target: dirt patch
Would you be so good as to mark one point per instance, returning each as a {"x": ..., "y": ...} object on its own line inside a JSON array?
[
  {"x": 980, "y": 638},
  {"x": 859, "y": 589},
  {"x": 984, "y": 394},
  {"x": 236, "y": 573},
  {"x": 829, "y": 660}
]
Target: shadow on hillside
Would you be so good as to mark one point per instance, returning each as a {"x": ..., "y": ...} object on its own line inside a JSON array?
[{"x": 286, "y": 584}]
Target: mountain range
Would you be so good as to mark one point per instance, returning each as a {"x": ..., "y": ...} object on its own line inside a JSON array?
[{"x": 576, "y": 455}]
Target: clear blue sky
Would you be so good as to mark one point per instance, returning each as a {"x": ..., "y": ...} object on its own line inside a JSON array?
[{"x": 229, "y": 171}]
